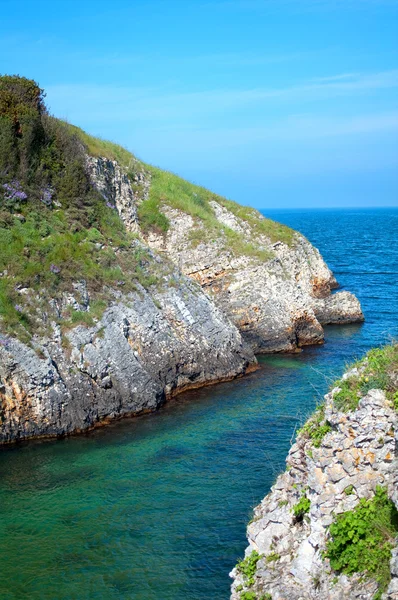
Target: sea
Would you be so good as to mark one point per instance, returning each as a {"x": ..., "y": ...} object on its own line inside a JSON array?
[{"x": 155, "y": 508}]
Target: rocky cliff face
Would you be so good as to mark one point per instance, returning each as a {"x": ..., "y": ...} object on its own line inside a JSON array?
[
  {"x": 147, "y": 346},
  {"x": 357, "y": 453},
  {"x": 278, "y": 294},
  {"x": 213, "y": 306}
]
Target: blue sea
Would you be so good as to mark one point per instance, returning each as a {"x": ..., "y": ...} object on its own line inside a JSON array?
[{"x": 155, "y": 508}]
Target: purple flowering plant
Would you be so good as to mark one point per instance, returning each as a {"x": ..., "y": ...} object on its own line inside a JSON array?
[
  {"x": 14, "y": 191},
  {"x": 55, "y": 269},
  {"x": 5, "y": 342}
]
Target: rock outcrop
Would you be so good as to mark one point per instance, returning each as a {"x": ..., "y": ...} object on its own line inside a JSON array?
[
  {"x": 357, "y": 453},
  {"x": 220, "y": 294},
  {"x": 147, "y": 346},
  {"x": 278, "y": 294}
]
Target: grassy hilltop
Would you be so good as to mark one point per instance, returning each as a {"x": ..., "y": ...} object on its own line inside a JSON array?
[{"x": 56, "y": 229}]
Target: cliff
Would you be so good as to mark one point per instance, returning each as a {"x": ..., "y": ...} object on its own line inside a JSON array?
[
  {"x": 269, "y": 280},
  {"x": 328, "y": 528},
  {"x": 121, "y": 284}
]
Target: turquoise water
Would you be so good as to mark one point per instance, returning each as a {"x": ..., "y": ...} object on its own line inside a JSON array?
[{"x": 156, "y": 507}]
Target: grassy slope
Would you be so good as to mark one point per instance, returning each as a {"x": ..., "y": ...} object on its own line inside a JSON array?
[
  {"x": 178, "y": 193},
  {"x": 46, "y": 248}
]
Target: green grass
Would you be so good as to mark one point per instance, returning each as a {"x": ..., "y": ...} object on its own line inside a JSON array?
[
  {"x": 169, "y": 189},
  {"x": 47, "y": 248},
  {"x": 361, "y": 540},
  {"x": 178, "y": 193},
  {"x": 316, "y": 427},
  {"x": 378, "y": 371},
  {"x": 99, "y": 147},
  {"x": 151, "y": 218},
  {"x": 276, "y": 232},
  {"x": 238, "y": 245}
]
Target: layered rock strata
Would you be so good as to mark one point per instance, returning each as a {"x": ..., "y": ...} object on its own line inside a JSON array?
[
  {"x": 201, "y": 325},
  {"x": 358, "y": 454},
  {"x": 279, "y": 302},
  {"x": 146, "y": 347}
]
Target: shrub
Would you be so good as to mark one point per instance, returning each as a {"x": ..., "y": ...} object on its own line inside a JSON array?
[
  {"x": 376, "y": 372},
  {"x": 51, "y": 218},
  {"x": 361, "y": 539},
  {"x": 247, "y": 567},
  {"x": 302, "y": 507}
]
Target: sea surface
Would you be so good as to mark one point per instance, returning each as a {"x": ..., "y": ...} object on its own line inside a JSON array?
[{"x": 155, "y": 508}]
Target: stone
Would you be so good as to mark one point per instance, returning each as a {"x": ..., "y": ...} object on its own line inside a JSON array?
[{"x": 347, "y": 475}]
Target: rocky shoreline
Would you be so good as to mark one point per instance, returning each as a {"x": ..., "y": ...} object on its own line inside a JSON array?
[
  {"x": 339, "y": 459},
  {"x": 278, "y": 299},
  {"x": 203, "y": 311}
]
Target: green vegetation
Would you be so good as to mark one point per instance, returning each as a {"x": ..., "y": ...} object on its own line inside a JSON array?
[
  {"x": 361, "y": 539},
  {"x": 98, "y": 147},
  {"x": 247, "y": 567},
  {"x": 171, "y": 190},
  {"x": 349, "y": 490},
  {"x": 248, "y": 596},
  {"x": 151, "y": 217},
  {"x": 273, "y": 557},
  {"x": 55, "y": 229},
  {"x": 377, "y": 370},
  {"x": 395, "y": 400},
  {"x": 167, "y": 188},
  {"x": 276, "y": 232},
  {"x": 302, "y": 507},
  {"x": 316, "y": 427}
]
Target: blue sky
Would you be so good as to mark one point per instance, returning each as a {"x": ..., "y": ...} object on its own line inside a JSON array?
[{"x": 273, "y": 103}]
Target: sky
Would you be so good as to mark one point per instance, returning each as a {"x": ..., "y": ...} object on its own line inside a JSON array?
[{"x": 272, "y": 103}]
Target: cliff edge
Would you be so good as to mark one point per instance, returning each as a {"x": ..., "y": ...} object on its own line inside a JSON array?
[
  {"x": 328, "y": 528},
  {"x": 122, "y": 285}
]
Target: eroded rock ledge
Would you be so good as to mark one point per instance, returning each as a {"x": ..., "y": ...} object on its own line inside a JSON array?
[
  {"x": 358, "y": 453},
  {"x": 146, "y": 347},
  {"x": 278, "y": 294},
  {"x": 211, "y": 309}
]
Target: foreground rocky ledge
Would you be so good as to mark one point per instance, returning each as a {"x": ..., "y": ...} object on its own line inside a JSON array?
[{"x": 290, "y": 529}]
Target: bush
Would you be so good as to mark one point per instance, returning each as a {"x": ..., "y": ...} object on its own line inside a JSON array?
[
  {"x": 247, "y": 567},
  {"x": 302, "y": 507},
  {"x": 361, "y": 539},
  {"x": 316, "y": 427},
  {"x": 51, "y": 218}
]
